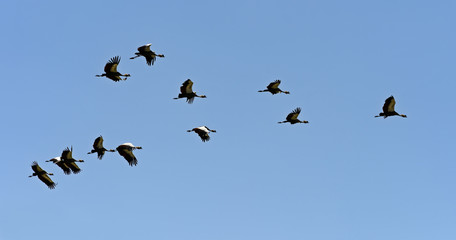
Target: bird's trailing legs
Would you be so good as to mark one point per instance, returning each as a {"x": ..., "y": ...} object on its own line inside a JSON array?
[
  {"x": 294, "y": 122},
  {"x": 137, "y": 55},
  {"x": 34, "y": 174},
  {"x": 94, "y": 151}
]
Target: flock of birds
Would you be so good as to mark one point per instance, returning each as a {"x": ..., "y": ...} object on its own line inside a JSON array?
[{"x": 68, "y": 164}]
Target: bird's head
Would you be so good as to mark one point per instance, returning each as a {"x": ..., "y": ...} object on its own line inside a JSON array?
[
  {"x": 127, "y": 75},
  {"x": 403, "y": 115},
  {"x": 203, "y": 96},
  {"x": 80, "y": 161},
  {"x": 305, "y": 121},
  {"x": 50, "y": 174},
  {"x": 189, "y": 130},
  {"x": 286, "y": 92},
  {"x": 213, "y": 131},
  {"x": 161, "y": 55},
  {"x": 138, "y": 147}
]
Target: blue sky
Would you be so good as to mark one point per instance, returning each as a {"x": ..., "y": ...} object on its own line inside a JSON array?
[{"x": 345, "y": 175}]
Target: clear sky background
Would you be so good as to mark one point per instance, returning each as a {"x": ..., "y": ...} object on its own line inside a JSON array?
[{"x": 346, "y": 175}]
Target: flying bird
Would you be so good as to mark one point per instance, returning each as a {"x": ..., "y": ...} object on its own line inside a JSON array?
[
  {"x": 59, "y": 162},
  {"x": 187, "y": 92},
  {"x": 273, "y": 88},
  {"x": 111, "y": 70},
  {"x": 67, "y": 157},
  {"x": 98, "y": 148},
  {"x": 203, "y": 132},
  {"x": 388, "y": 109},
  {"x": 126, "y": 150},
  {"x": 43, "y": 175},
  {"x": 150, "y": 55},
  {"x": 293, "y": 117}
]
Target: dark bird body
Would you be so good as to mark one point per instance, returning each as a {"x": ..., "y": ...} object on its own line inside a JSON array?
[
  {"x": 111, "y": 70},
  {"x": 293, "y": 117},
  {"x": 187, "y": 92},
  {"x": 67, "y": 158},
  {"x": 98, "y": 148},
  {"x": 273, "y": 88},
  {"x": 150, "y": 55},
  {"x": 42, "y": 175},
  {"x": 58, "y": 161},
  {"x": 126, "y": 150},
  {"x": 203, "y": 132},
  {"x": 388, "y": 109}
]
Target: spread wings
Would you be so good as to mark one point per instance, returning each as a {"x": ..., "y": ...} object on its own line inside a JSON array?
[
  {"x": 389, "y": 105},
  {"x": 42, "y": 175},
  {"x": 37, "y": 169},
  {"x": 186, "y": 87},
  {"x": 294, "y": 114},
  {"x": 98, "y": 144},
  {"x": 74, "y": 167},
  {"x": 66, "y": 154},
  {"x": 274, "y": 84},
  {"x": 126, "y": 152},
  {"x": 111, "y": 66},
  {"x": 144, "y": 48}
]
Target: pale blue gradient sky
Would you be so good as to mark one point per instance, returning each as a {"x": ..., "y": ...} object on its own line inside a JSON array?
[{"x": 344, "y": 176}]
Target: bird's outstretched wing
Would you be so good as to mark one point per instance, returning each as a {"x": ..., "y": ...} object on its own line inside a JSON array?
[
  {"x": 111, "y": 66},
  {"x": 74, "y": 167},
  {"x": 389, "y": 105},
  {"x": 36, "y": 168},
  {"x": 203, "y": 133},
  {"x": 127, "y": 153},
  {"x": 294, "y": 114},
  {"x": 150, "y": 58},
  {"x": 204, "y": 136},
  {"x": 274, "y": 84},
  {"x": 64, "y": 167},
  {"x": 66, "y": 154},
  {"x": 98, "y": 143},
  {"x": 186, "y": 87},
  {"x": 47, "y": 180},
  {"x": 144, "y": 48}
]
